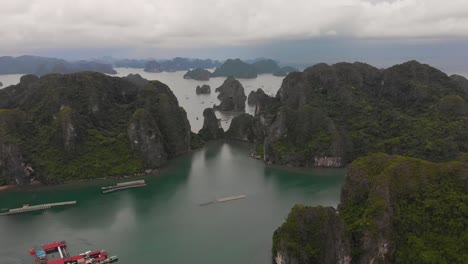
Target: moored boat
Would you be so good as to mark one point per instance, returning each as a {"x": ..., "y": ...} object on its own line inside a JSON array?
[
  {"x": 57, "y": 253},
  {"x": 123, "y": 186}
]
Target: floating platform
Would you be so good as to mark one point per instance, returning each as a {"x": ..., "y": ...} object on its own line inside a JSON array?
[
  {"x": 225, "y": 199},
  {"x": 123, "y": 185},
  {"x": 28, "y": 208}
]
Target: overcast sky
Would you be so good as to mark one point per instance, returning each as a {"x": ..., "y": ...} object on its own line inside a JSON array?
[{"x": 291, "y": 30}]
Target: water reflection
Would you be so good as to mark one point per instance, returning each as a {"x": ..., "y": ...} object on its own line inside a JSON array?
[{"x": 165, "y": 218}]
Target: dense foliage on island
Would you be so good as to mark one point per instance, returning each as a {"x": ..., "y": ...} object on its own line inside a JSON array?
[
  {"x": 198, "y": 74},
  {"x": 42, "y": 65},
  {"x": 88, "y": 125},
  {"x": 328, "y": 115},
  {"x": 393, "y": 209},
  {"x": 240, "y": 69}
]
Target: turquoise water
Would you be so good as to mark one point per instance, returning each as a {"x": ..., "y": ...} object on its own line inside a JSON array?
[{"x": 164, "y": 222}]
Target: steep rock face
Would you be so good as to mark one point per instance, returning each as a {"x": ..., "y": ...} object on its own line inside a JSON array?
[
  {"x": 398, "y": 209},
  {"x": 393, "y": 209},
  {"x": 245, "y": 127},
  {"x": 212, "y": 129},
  {"x": 329, "y": 115},
  {"x": 311, "y": 235},
  {"x": 461, "y": 83},
  {"x": 204, "y": 89},
  {"x": 232, "y": 96},
  {"x": 1, "y": 84},
  {"x": 172, "y": 119},
  {"x": 153, "y": 66},
  {"x": 198, "y": 74},
  {"x": 13, "y": 168},
  {"x": 89, "y": 125},
  {"x": 146, "y": 138},
  {"x": 235, "y": 68},
  {"x": 252, "y": 99}
]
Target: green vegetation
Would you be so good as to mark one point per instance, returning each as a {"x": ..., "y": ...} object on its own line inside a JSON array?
[
  {"x": 418, "y": 206},
  {"x": 235, "y": 68},
  {"x": 352, "y": 110},
  {"x": 308, "y": 233},
  {"x": 78, "y": 126},
  {"x": 102, "y": 154},
  {"x": 395, "y": 209}
]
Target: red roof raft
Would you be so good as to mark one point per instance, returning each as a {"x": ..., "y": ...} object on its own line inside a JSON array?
[{"x": 57, "y": 253}]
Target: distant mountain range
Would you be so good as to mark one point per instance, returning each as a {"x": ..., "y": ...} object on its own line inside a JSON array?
[
  {"x": 42, "y": 65},
  {"x": 232, "y": 67},
  {"x": 240, "y": 69},
  {"x": 175, "y": 64}
]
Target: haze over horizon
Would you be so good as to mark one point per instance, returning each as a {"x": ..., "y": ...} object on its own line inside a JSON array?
[{"x": 298, "y": 32}]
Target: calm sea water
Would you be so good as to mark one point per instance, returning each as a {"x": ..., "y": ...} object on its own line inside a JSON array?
[
  {"x": 9, "y": 79},
  {"x": 164, "y": 222},
  {"x": 194, "y": 104},
  {"x": 184, "y": 90}
]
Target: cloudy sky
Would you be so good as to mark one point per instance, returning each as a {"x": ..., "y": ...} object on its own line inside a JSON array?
[{"x": 297, "y": 31}]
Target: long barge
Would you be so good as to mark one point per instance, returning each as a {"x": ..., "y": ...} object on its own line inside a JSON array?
[
  {"x": 225, "y": 199},
  {"x": 29, "y": 208},
  {"x": 123, "y": 186}
]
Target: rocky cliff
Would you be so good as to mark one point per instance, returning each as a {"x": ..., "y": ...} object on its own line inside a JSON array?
[
  {"x": 212, "y": 129},
  {"x": 245, "y": 127},
  {"x": 328, "y": 115},
  {"x": 204, "y": 89},
  {"x": 311, "y": 235},
  {"x": 198, "y": 74},
  {"x": 231, "y": 95},
  {"x": 86, "y": 125},
  {"x": 393, "y": 209}
]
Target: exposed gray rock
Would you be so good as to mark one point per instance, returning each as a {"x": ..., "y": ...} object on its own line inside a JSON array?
[
  {"x": 253, "y": 96},
  {"x": 211, "y": 126},
  {"x": 245, "y": 127},
  {"x": 311, "y": 235},
  {"x": 146, "y": 138},
  {"x": 232, "y": 96},
  {"x": 204, "y": 89}
]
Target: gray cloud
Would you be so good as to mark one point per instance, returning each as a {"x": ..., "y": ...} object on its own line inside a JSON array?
[{"x": 35, "y": 24}]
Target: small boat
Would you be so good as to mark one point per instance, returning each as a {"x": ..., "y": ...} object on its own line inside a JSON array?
[
  {"x": 123, "y": 186},
  {"x": 57, "y": 253}
]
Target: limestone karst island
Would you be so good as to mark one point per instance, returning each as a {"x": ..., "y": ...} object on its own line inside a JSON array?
[{"x": 281, "y": 132}]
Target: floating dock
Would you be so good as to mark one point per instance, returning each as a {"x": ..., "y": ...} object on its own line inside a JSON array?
[
  {"x": 123, "y": 186},
  {"x": 28, "y": 208},
  {"x": 225, "y": 199}
]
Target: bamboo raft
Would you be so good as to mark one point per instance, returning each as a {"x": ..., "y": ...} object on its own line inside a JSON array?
[
  {"x": 27, "y": 208},
  {"x": 123, "y": 186},
  {"x": 225, "y": 199}
]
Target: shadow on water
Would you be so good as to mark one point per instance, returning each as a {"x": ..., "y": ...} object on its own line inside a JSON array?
[
  {"x": 320, "y": 183},
  {"x": 212, "y": 150},
  {"x": 91, "y": 203}
]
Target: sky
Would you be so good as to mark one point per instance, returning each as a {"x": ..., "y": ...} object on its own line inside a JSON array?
[{"x": 381, "y": 32}]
